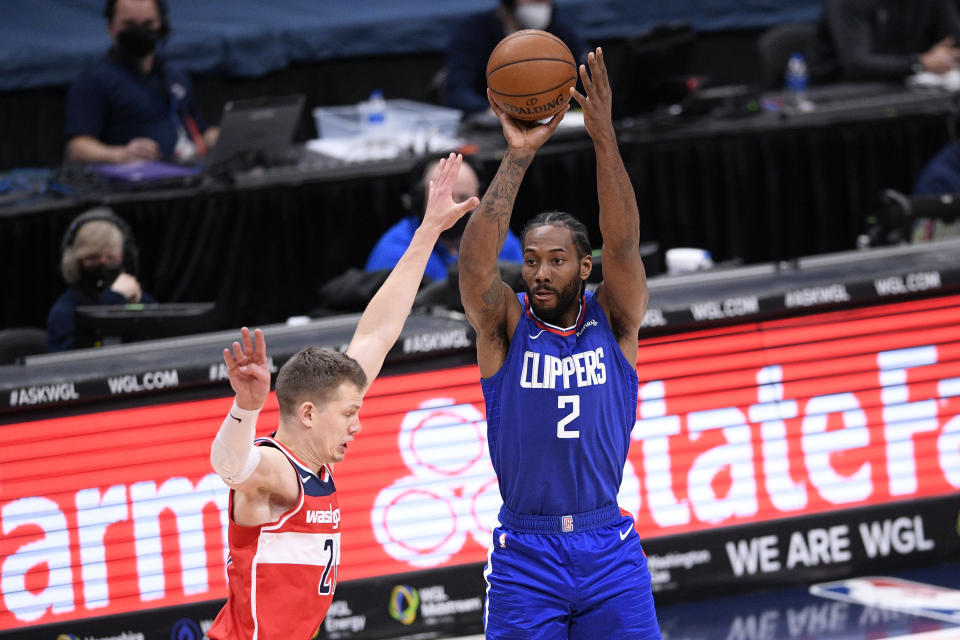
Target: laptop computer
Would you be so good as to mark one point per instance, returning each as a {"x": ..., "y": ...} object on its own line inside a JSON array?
[{"x": 254, "y": 132}]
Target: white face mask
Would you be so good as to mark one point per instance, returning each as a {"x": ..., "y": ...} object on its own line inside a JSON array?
[{"x": 534, "y": 16}]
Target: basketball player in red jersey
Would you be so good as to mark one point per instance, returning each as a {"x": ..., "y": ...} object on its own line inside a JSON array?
[{"x": 284, "y": 526}]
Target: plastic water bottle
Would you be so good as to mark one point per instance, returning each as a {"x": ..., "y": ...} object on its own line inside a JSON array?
[
  {"x": 797, "y": 80},
  {"x": 375, "y": 113}
]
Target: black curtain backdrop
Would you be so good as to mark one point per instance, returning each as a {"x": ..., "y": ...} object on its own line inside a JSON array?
[
  {"x": 779, "y": 192},
  {"x": 757, "y": 194}
]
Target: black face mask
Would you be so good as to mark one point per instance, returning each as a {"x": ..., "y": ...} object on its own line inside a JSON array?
[
  {"x": 138, "y": 42},
  {"x": 456, "y": 231},
  {"x": 95, "y": 281}
]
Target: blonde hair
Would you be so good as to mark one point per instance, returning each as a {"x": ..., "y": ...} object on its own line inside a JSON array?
[
  {"x": 315, "y": 375},
  {"x": 91, "y": 238}
]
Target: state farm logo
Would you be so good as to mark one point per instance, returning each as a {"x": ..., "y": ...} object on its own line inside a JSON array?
[{"x": 451, "y": 493}]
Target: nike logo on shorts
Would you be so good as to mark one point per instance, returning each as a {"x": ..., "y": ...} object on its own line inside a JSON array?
[{"x": 625, "y": 533}]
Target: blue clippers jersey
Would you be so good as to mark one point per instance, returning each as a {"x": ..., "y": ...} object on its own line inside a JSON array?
[{"x": 559, "y": 415}]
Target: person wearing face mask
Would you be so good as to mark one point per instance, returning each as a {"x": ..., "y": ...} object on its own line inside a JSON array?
[
  {"x": 475, "y": 38},
  {"x": 133, "y": 105},
  {"x": 99, "y": 262}
]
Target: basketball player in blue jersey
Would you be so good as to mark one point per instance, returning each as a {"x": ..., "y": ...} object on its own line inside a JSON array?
[{"x": 558, "y": 367}]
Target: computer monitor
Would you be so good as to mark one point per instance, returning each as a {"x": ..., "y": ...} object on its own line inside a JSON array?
[
  {"x": 252, "y": 130},
  {"x": 102, "y": 325},
  {"x": 652, "y": 70}
]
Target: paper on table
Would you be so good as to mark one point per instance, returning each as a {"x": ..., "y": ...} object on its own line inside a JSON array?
[
  {"x": 949, "y": 80},
  {"x": 365, "y": 148}
]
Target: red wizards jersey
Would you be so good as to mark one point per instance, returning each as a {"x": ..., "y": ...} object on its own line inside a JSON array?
[{"x": 282, "y": 574}]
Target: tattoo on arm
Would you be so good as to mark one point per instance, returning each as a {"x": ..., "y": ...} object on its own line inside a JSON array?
[
  {"x": 494, "y": 294},
  {"x": 495, "y": 209},
  {"x": 497, "y": 205}
]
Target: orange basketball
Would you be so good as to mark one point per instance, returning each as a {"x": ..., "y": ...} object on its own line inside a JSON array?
[{"x": 530, "y": 74}]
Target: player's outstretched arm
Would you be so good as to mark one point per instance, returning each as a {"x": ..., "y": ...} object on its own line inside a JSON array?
[
  {"x": 490, "y": 305},
  {"x": 243, "y": 466},
  {"x": 384, "y": 317},
  {"x": 623, "y": 293}
]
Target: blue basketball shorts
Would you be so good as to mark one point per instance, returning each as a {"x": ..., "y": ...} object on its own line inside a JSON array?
[{"x": 578, "y": 577}]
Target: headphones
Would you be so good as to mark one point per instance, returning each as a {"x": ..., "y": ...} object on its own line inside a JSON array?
[
  {"x": 110, "y": 10},
  {"x": 414, "y": 199},
  {"x": 131, "y": 255}
]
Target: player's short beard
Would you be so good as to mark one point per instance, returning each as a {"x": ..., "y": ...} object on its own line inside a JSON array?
[{"x": 566, "y": 298}]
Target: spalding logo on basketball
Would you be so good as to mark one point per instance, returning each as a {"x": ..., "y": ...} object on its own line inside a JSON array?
[{"x": 530, "y": 74}]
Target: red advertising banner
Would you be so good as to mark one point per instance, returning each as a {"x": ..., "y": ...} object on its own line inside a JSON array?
[{"x": 120, "y": 511}]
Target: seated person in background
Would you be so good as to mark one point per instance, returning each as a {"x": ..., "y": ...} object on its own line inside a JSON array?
[
  {"x": 475, "y": 38},
  {"x": 940, "y": 176},
  {"x": 98, "y": 261},
  {"x": 133, "y": 105},
  {"x": 394, "y": 241},
  {"x": 885, "y": 39}
]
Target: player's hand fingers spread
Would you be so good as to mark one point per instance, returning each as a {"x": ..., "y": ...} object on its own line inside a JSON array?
[
  {"x": 456, "y": 161},
  {"x": 449, "y": 167},
  {"x": 585, "y": 78},
  {"x": 600, "y": 77},
  {"x": 247, "y": 341},
  {"x": 443, "y": 171},
  {"x": 470, "y": 203},
  {"x": 580, "y": 98},
  {"x": 238, "y": 354},
  {"x": 260, "y": 355}
]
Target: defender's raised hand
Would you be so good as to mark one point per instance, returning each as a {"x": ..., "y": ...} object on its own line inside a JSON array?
[
  {"x": 441, "y": 209},
  {"x": 598, "y": 103},
  {"x": 248, "y": 369}
]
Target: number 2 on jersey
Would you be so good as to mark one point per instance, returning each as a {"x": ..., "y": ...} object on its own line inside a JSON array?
[
  {"x": 326, "y": 584},
  {"x": 574, "y": 402}
]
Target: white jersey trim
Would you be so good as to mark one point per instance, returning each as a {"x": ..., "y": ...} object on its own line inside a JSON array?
[
  {"x": 264, "y": 530},
  {"x": 486, "y": 578},
  {"x": 553, "y": 326},
  {"x": 291, "y": 547},
  {"x": 324, "y": 474}
]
